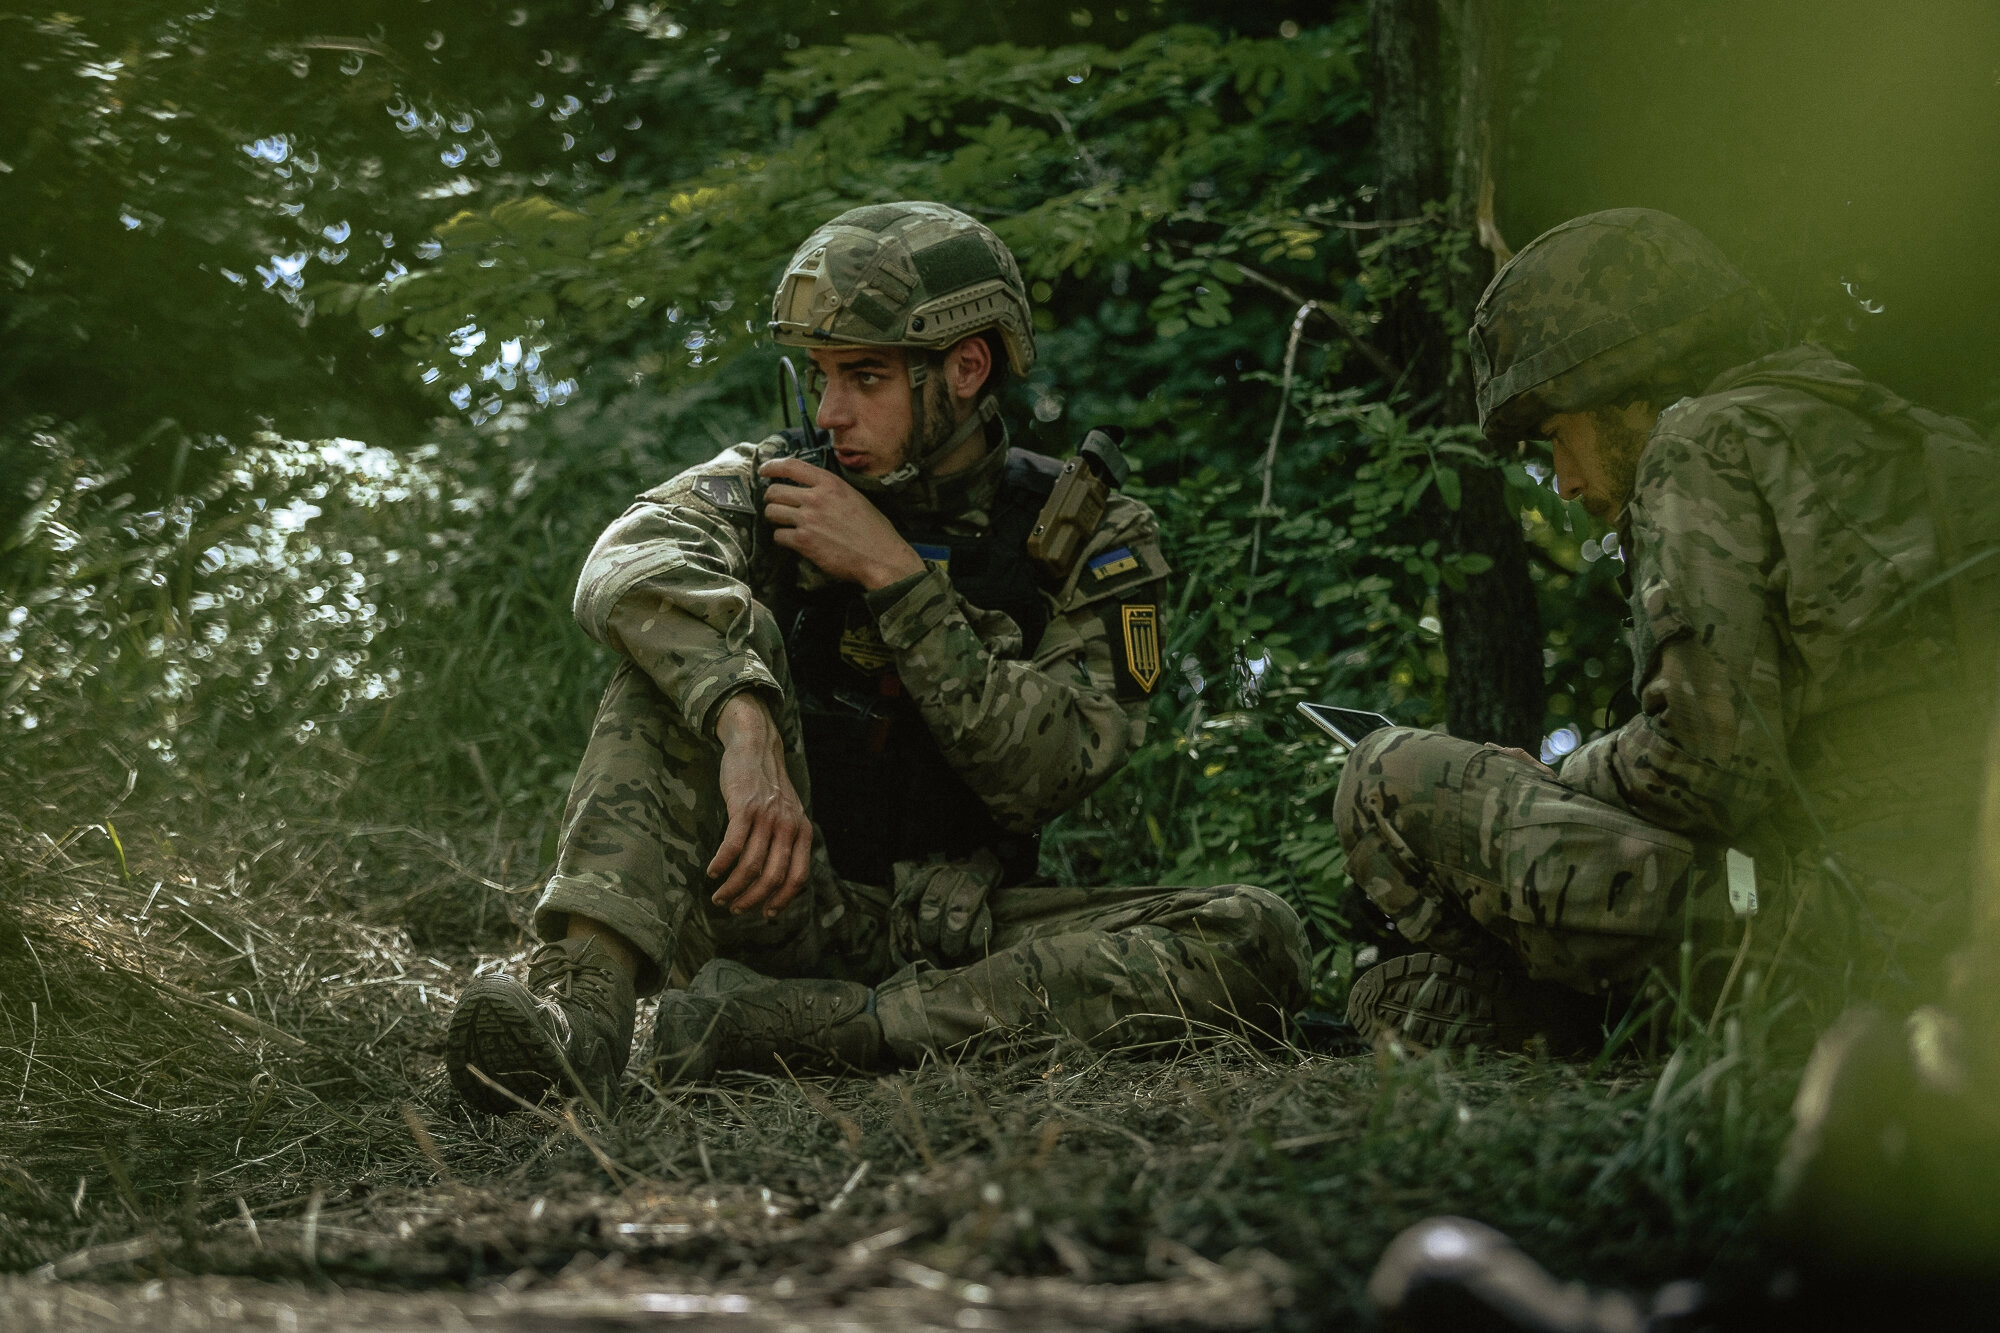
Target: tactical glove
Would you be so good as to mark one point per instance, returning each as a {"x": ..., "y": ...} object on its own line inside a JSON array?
[{"x": 941, "y": 911}]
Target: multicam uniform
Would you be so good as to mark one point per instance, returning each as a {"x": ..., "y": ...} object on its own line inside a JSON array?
[
  {"x": 1780, "y": 539},
  {"x": 1806, "y": 669},
  {"x": 994, "y": 722}
]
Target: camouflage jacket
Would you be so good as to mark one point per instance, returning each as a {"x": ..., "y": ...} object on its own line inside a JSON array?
[
  {"x": 675, "y": 582},
  {"x": 1792, "y": 657}
]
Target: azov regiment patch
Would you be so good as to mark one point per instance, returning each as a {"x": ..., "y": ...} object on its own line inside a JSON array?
[
  {"x": 1141, "y": 624},
  {"x": 861, "y": 645}
]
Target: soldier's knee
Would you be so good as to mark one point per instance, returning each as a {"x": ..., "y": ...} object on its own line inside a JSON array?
[
  {"x": 1259, "y": 932},
  {"x": 1387, "y": 771},
  {"x": 1392, "y": 773}
]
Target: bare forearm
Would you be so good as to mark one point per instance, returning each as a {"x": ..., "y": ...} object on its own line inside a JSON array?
[{"x": 745, "y": 721}]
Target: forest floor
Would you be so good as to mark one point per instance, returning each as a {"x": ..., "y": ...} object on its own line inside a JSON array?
[{"x": 222, "y": 1104}]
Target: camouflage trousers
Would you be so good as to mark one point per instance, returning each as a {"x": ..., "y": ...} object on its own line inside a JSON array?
[
  {"x": 1111, "y": 966},
  {"x": 1486, "y": 858}
]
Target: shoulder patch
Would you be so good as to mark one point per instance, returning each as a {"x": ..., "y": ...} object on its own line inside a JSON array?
[
  {"x": 1121, "y": 573},
  {"x": 1137, "y": 650},
  {"x": 1141, "y": 625},
  {"x": 1112, "y": 563},
  {"x": 726, "y": 493}
]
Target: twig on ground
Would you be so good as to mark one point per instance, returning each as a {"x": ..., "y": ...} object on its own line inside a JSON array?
[
  {"x": 309, "y": 1234},
  {"x": 249, "y": 1224}
]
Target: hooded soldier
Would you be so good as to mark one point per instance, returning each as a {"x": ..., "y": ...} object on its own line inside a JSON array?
[
  {"x": 1813, "y": 629},
  {"x": 861, "y": 665}
]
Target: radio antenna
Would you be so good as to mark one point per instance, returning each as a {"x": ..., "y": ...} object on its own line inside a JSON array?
[{"x": 790, "y": 392}]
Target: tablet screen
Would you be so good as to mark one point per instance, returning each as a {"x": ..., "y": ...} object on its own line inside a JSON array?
[{"x": 1346, "y": 725}]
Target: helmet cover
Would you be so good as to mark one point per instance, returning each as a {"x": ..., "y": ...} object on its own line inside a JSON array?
[
  {"x": 1594, "y": 307},
  {"x": 909, "y": 274}
]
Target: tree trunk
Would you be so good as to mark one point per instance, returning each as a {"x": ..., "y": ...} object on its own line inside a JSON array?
[{"x": 1439, "y": 69}]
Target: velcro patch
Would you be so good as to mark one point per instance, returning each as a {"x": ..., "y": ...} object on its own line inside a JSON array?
[
  {"x": 862, "y": 648},
  {"x": 1113, "y": 563},
  {"x": 1136, "y": 650},
  {"x": 725, "y": 492}
]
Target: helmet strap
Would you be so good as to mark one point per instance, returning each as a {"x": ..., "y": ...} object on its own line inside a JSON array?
[
  {"x": 919, "y": 364},
  {"x": 987, "y": 408}
]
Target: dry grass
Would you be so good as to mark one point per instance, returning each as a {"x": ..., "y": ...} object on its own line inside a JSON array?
[{"x": 227, "y": 1062}]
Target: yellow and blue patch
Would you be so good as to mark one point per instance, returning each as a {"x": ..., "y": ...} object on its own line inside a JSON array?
[
  {"x": 937, "y": 557},
  {"x": 1112, "y": 563}
]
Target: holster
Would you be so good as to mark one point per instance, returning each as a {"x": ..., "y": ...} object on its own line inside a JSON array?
[{"x": 1075, "y": 506}]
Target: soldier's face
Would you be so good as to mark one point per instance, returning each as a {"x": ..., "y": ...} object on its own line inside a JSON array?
[
  {"x": 865, "y": 405},
  {"x": 1597, "y": 455}
]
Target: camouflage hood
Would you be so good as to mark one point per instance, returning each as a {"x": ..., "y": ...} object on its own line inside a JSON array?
[
  {"x": 1597, "y": 307},
  {"x": 1816, "y": 371}
]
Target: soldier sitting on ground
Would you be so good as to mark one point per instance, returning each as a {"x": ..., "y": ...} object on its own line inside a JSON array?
[
  {"x": 1812, "y": 630},
  {"x": 851, "y": 695}
]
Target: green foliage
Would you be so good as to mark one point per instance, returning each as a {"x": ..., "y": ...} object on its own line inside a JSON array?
[
  {"x": 1082, "y": 157},
  {"x": 1169, "y": 199},
  {"x": 226, "y": 624}
]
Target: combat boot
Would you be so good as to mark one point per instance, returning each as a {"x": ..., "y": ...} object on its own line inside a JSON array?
[
  {"x": 731, "y": 1017},
  {"x": 1432, "y": 1000},
  {"x": 569, "y": 1030}
]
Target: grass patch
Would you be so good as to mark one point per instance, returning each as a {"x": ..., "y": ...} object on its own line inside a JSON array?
[{"x": 226, "y": 1060}]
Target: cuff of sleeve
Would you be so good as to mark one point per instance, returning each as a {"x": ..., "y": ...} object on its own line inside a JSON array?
[
  {"x": 908, "y": 609},
  {"x": 1575, "y": 765},
  {"x": 724, "y": 677},
  {"x": 1588, "y": 769}
]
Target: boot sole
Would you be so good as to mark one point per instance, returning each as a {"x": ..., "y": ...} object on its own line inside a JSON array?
[
  {"x": 495, "y": 1029},
  {"x": 1426, "y": 998}
]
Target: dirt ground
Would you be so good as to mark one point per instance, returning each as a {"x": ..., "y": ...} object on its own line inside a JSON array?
[{"x": 869, "y": 1296}]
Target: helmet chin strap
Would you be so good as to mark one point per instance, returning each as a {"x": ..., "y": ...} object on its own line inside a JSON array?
[{"x": 984, "y": 411}]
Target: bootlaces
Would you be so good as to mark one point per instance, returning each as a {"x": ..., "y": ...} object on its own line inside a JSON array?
[{"x": 564, "y": 975}]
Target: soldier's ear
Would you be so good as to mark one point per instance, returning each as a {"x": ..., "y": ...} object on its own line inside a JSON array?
[{"x": 967, "y": 366}]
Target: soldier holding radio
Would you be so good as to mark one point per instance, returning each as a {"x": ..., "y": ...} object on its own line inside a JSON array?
[{"x": 852, "y": 692}]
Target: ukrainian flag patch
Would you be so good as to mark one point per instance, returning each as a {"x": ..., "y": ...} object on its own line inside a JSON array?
[
  {"x": 937, "y": 557},
  {"x": 1113, "y": 563}
]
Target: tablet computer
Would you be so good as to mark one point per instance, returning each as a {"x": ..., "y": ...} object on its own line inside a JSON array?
[{"x": 1345, "y": 725}]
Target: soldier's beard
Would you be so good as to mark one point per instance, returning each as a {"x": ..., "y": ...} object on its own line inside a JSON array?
[
  {"x": 1619, "y": 448},
  {"x": 936, "y": 427}
]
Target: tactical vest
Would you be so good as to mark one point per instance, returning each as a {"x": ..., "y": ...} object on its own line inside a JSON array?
[{"x": 882, "y": 790}]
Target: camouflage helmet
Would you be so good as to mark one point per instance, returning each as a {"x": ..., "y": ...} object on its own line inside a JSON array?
[
  {"x": 908, "y": 274},
  {"x": 1595, "y": 308}
]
